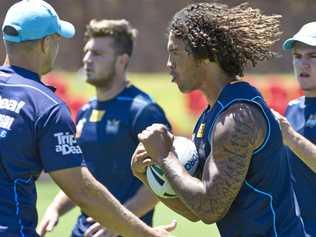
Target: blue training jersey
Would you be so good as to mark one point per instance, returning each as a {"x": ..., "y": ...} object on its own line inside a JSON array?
[
  {"x": 301, "y": 114},
  {"x": 107, "y": 132},
  {"x": 36, "y": 134},
  {"x": 265, "y": 205}
]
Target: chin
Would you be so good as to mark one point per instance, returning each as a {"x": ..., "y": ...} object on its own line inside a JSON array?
[
  {"x": 184, "y": 90},
  {"x": 91, "y": 81}
]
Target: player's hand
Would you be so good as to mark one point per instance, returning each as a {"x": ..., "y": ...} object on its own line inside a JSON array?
[
  {"x": 140, "y": 160},
  {"x": 97, "y": 230},
  {"x": 157, "y": 141},
  {"x": 164, "y": 230},
  {"x": 48, "y": 222},
  {"x": 285, "y": 126}
]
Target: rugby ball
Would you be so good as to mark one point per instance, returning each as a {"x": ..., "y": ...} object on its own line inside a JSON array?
[{"x": 187, "y": 154}]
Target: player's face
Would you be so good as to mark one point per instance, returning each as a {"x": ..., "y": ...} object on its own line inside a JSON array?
[
  {"x": 99, "y": 61},
  {"x": 182, "y": 66},
  {"x": 304, "y": 63}
]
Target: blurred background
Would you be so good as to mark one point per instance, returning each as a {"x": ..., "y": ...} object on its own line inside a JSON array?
[
  {"x": 151, "y": 18},
  {"x": 147, "y": 70}
]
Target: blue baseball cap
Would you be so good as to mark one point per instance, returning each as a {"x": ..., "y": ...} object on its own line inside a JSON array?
[
  {"x": 33, "y": 20},
  {"x": 306, "y": 35}
]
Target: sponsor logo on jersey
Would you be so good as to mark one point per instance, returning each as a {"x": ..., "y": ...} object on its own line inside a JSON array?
[
  {"x": 311, "y": 121},
  {"x": 200, "y": 132},
  {"x": 96, "y": 115},
  {"x": 112, "y": 126},
  {"x": 6, "y": 121},
  {"x": 11, "y": 105},
  {"x": 67, "y": 144}
]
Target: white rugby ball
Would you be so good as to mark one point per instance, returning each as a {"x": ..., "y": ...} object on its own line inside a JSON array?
[{"x": 187, "y": 155}]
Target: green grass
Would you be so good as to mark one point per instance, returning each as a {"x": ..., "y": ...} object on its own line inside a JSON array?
[{"x": 47, "y": 190}]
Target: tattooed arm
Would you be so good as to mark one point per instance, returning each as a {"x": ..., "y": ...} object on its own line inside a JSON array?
[
  {"x": 139, "y": 162},
  {"x": 236, "y": 134}
]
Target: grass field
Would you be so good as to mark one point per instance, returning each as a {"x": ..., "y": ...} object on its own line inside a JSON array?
[{"x": 163, "y": 215}]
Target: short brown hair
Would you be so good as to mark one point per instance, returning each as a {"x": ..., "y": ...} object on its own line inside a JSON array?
[
  {"x": 121, "y": 31},
  {"x": 234, "y": 37}
]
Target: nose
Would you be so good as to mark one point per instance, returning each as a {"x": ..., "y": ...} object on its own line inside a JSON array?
[
  {"x": 169, "y": 63},
  {"x": 305, "y": 62}
]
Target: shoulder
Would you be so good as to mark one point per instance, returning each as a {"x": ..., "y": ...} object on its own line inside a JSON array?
[
  {"x": 243, "y": 122},
  {"x": 34, "y": 90},
  {"x": 135, "y": 97},
  {"x": 295, "y": 105},
  {"x": 88, "y": 105},
  {"x": 297, "y": 101}
]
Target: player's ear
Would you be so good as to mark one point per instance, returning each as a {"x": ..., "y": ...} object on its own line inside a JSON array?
[
  {"x": 123, "y": 60},
  {"x": 45, "y": 42}
]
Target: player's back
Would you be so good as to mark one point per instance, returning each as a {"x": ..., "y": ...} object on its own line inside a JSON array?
[
  {"x": 24, "y": 103},
  {"x": 265, "y": 204},
  {"x": 301, "y": 113}
]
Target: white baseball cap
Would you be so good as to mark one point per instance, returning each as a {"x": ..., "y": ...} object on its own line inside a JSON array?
[{"x": 306, "y": 35}]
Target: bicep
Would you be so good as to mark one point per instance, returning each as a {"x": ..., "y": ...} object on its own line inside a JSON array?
[{"x": 237, "y": 133}]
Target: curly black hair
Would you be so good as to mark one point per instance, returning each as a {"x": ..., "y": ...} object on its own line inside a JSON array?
[
  {"x": 234, "y": 37},
  {"x": 121, "y": 31}
]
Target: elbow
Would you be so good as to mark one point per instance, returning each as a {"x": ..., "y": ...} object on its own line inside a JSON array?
[
  {"x": 209, "y": 220},
  {"x": 193, "y": 218},
  {"x": 213, "y": 217}
]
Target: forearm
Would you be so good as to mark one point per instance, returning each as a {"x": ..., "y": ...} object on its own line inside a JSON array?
[
  {"x": 142, "y": 202},
  {"x": 303, "y": 148},
  {"x": 96, "y": 201},
  {"x": 173, "y": 203},
  {"x": 190, "y": 190},
  {"x": 62, "y": 204}
]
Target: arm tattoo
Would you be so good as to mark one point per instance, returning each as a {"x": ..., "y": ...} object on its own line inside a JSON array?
[{"x": 236, "y": 134}]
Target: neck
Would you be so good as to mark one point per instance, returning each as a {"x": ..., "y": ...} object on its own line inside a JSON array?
[
  {"x": 20, "y": 61},
  {"x": 310, "y": 93},
  {"x": 213, "y": 86},
  {"x": 107, "y": 93}
]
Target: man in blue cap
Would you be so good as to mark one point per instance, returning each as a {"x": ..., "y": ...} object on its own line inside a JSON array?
[
  {"x": 37, "y": 133},
  {"x": 299, "y": 126}
]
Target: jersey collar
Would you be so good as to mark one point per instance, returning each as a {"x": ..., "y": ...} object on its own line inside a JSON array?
[{"x": 25, "y": 73}]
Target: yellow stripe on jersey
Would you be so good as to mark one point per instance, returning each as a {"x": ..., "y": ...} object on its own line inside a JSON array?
[
  {"x": 96, "y": 115},
  {"x": 200, "y": 132}
]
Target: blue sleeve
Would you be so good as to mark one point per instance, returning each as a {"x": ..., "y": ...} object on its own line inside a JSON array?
[
  {"x": 150, "y": 114},
  {"x": 58, "y": 146}
]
